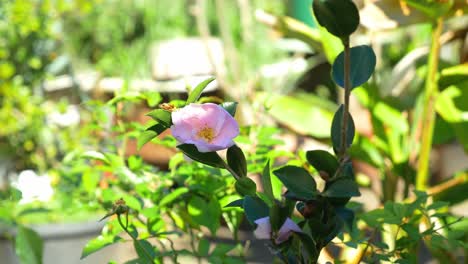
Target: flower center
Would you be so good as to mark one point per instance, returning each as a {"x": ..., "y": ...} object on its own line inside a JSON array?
[{"x": 206, "y": 134}]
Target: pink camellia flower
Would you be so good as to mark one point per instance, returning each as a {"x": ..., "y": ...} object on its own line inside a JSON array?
[
  {"x": 208, "y": 126},
  {"x": 263, "y": 230}
]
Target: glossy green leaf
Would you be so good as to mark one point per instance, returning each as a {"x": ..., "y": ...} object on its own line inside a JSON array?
[
  {"x": 298, "y": 181},
  {"x": 322, "y": 160},
  {"x": 336, "y": 130},
  {"x": 245, "y": 186},
  {"x": 231, "y": 107},
  {"x": 99, "y": 243},
  {"x": 209, "y": 158},
  {"x": 236, "y": 160},
  {"x": 162, "y": 116},
  {"x": 195, "y": 94},
  {"x": 362, "y": 64},
  {"x": 28, "y": 246},
  {"x": 342, "y": 188},
  {"x": 255, "y": 208},
  {"x": 339, "y": 17}
]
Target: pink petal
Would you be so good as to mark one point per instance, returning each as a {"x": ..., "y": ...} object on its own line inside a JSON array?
[
  {"x": 263, "y": 230},
  {"x": 286, "y": 230}
]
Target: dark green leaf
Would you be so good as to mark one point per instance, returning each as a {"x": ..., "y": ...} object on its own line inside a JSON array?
[
  {"x": 209, "y": 158},
  {"x": 309, "y": 245},
  {"x": 230, "y": 107},
  {"x": 245, "y": 186},
  {"x": 339, "y": 17},
  {"x": 236, "y": 160},
  {"x": 322, "y": 160},
  {"x": 342, "y": 188},
  {"x": 336, "y": 130},
  {"x": 346, "y": 215},
  {"x": 266, "y": 181},
  {"x": 236, "y": 203},
  {"x": 362, "y": 66},
  {"x": 28, "y": 246},
  {"x": 255, "y": 208},
  {"x": 98, "y": 243},
  {"x": 298, "y": 181},
  {"x": 157, "y": 128},
  {"x": 195, "y": 94},
  {"x": 162, "y": 116}
]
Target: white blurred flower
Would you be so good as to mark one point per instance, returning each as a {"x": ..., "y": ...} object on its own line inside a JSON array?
[
  {"x": 70, "y": 117},
  {"x": 263, "y": 230},
  {"x": 33, "y": 187}
]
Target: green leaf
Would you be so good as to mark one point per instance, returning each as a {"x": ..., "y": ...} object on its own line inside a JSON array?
[
  {"x": 230, "y": 107},
  {"x": 167, "y": 199},
  {"x": 309, "y": 245},
  {"x": 290, "y": 111},
  {"x": 203, "y": 247},
  {"x": 255, "y": 208},
  {"x": 145, "y": 137},
  {"x": 431, "y": 8},
  {"x": 339, "y": 17},
  {"x": 129, "y": 96},
  {"x": 298, "y": 181},
  {"x": 322, "y": 160},
  {"x": 222, "y": 249},
  {"x": 28, "y": 246},
  {"x": 342, "y": 188},
  {"x": 236, "y": 203},
  {"x": 152, "y": 98},
  {"x": 99, "y": 243},
  {"x": 362, "y": 66},
  {"x": 205, "y": 213},
  {"x": 95, "y": 155},
  {"x": 195, "y": 94},
  {"x": 346, "y": 215},
  {"x": 391, "y": 117},
  {"x": 236, "y": 160},
  {"x": 245, "y": 186},
  {"x": 266, "y": 181},
  {"x": 336, "y": 130},
  {"x": 162, "y": 116},
  {"x": 158, "y": 128},
  {"x": 144, "y": 251},
  {"x": 209, "y": 158}
]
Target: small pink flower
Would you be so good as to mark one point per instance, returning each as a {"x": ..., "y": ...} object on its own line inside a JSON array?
[
  {"x": 208, "y": 126},
  {"x": 263, "y": 230}
]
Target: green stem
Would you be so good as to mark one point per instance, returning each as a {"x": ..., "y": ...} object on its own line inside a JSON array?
[
  {"x": 428, "y": 118},
  {"x": 135, "y": 240},
  {"x": 347, "y": 88}
]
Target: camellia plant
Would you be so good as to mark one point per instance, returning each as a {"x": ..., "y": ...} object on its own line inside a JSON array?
[
  {"x": 298, "y": 224},
  {"x": 203, "y": 129}
]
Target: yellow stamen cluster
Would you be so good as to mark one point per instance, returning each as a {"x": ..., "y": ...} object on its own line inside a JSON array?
[{"x": 206, "y": 133}]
